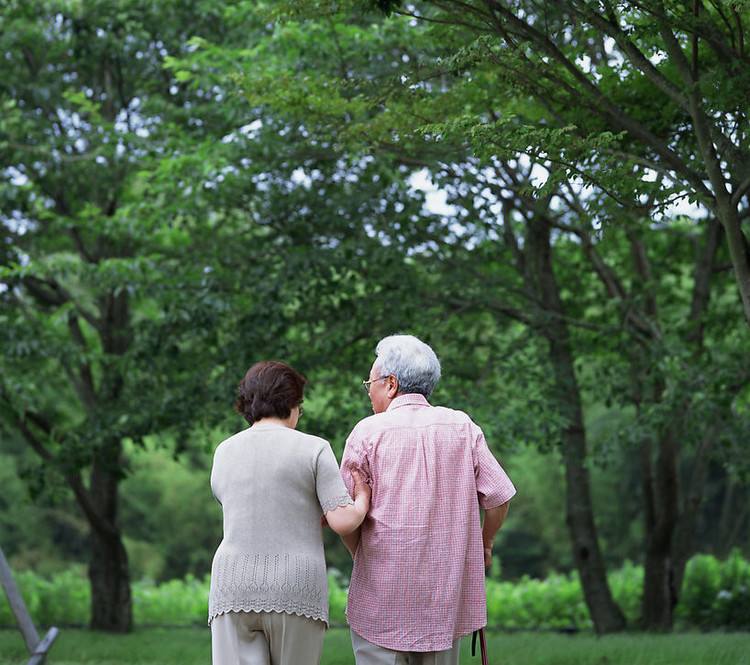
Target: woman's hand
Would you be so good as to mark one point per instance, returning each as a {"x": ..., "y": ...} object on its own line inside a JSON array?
[
  {"x": 346, "y": 519},
  {"x": 362, "y": 490}
]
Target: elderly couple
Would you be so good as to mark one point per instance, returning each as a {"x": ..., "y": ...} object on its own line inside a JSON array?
[{"x": 406, "y": 503}]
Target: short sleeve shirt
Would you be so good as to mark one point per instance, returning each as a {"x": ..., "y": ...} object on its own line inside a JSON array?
[
  {"x": 418, "y": 577},
  {"x": 274, "y": 483}
]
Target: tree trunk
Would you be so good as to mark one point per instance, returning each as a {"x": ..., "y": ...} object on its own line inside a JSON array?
[
  {"x": 605, "y": 614},
  {"x": 658, "y": 584},
  {"x": 739, "y": 253},
  {"x": 735, "y": 514},
  {"x": 669, "y": 527},
  {"x": 683, "y": 541},
  {"x": 734, "y": 511},
  {"x": 111, "y": 604},
  {"x": 659, "y": 588}
]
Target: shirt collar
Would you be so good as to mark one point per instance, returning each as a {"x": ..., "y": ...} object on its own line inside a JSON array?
[{"x": 409, "y": 399}]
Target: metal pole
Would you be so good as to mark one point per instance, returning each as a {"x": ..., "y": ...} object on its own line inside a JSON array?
[{"x": 17, "y": 605}]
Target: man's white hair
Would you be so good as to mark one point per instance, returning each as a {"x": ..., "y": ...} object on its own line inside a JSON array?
[{"x": 411, "y": 361}]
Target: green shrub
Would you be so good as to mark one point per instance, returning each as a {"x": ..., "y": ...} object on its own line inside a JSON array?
[
  {"x": 174, "y": 602},
  {"x": 700, "y": 589},
  {"x": 553, "y": 603},
  {"x": 65, "y": 599},
  {"x": 28, "y": 584},
  {"x": 733, "y": 598},
  {"x": 627, "y": 590},
  {"x": 715, "y": 595}
]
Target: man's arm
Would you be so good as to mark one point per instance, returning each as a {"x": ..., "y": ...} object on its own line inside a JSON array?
[
  {"x": 494, "y": 488},
  {"x": 493, "y": 520}
]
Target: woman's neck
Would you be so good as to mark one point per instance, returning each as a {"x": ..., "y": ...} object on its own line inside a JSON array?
[{"x": 286, "y": 422}]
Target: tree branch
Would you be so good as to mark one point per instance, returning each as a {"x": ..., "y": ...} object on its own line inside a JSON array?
[
  {"x": 85, "y": 380},
  {"x": 602, "y": 103},
  {"x": 613, "y": 29}
]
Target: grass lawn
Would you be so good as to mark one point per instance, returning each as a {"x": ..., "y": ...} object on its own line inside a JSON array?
[{"x": 188, "y": 646}]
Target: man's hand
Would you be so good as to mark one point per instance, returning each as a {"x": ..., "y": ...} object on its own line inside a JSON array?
[{"x": 488, "y": 557}]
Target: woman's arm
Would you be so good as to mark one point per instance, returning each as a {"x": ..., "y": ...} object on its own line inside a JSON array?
[{"x": 345, "y": 520}]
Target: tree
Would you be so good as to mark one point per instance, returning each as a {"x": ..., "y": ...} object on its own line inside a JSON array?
[
  {"x": 317, "y": 103},
  {"x": 157, "y": 243},
  {"x": 650, "y": 347},
  {"x": 647, "y": 84},
  {"x": 455, "y": 80},
  {"x": 99, "y": 279}
]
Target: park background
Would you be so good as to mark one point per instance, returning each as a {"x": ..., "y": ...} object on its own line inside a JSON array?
[{"x": 554, "y": 196}]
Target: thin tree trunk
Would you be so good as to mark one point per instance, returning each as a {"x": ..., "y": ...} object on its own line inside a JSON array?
[
  {"x": 727, "y": 516},
  {"x": 659, "y": 590},
  {"x": 656, "y": 573},
  {"x": 605, "y": 614},
  {"x": 668, "y": 526}
]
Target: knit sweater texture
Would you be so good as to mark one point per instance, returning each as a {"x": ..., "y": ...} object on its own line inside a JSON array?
[{"x": 273, "y": 484}]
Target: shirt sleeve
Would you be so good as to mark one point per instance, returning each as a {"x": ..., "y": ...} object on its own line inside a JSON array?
[
  {"x": 494, "y": 487},
  {"x": 329, "y": 486},
  {"x": 355, "y": 457}
]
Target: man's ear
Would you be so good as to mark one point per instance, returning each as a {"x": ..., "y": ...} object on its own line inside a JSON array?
[{"x": 392, "y": 386}]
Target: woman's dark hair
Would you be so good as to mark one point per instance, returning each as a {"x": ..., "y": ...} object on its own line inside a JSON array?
[{"x": 270, "y": 389}]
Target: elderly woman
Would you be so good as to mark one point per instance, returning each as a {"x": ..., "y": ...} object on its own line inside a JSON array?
[{"x": 268, "y": 602}]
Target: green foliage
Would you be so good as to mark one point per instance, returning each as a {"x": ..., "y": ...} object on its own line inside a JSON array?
[
  {"x": 171, "y": 602},
  {"x": 336, "y": 597},
  {"x": 190, "y": 187},
  {"x": 717, "y": 593},
  {"x": 555, "y": 602},
  {"x": 63, "y": 598},
  {"x": 715, "y": 596},
  {"x": 702, "y": 585},
  {"x": 171, "y": 517},
  {"x": 627, "y": 588}
]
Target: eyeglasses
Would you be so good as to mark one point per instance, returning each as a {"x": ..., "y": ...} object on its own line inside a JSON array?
[{"x": 366, "y": 384}]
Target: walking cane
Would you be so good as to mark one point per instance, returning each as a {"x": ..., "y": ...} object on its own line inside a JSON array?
[
  {"x": 482, "y": 645},
  {"x": 482, "y": 640}
]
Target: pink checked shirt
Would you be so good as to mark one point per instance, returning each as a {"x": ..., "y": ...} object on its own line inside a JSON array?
[{"x": 418, "y": 578}]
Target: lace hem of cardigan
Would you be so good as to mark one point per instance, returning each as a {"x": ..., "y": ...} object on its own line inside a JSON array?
[
  {"x": 330, "y": 504},
  {"x": 300, "y": 609}
]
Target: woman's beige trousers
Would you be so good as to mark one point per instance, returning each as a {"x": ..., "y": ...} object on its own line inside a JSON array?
[{"x": 265, "y": 638}]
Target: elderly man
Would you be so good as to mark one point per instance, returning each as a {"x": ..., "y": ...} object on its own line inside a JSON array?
[{"x": 418, "y": 581}]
